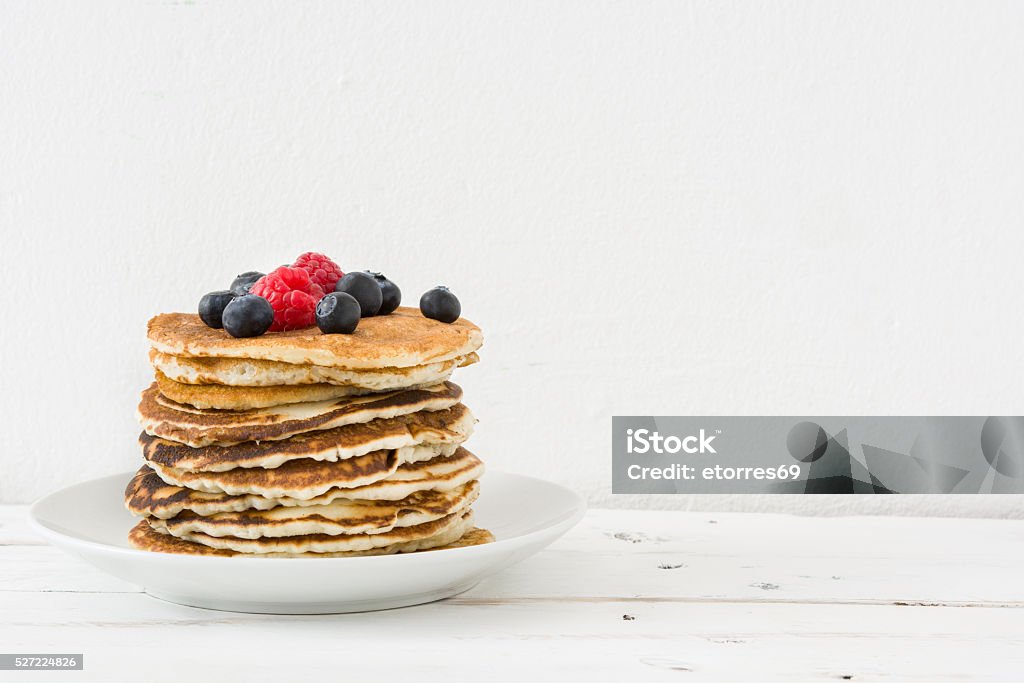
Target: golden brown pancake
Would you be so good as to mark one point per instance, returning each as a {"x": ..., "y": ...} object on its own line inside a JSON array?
[
  {"x": 302, "y": 479},
  {"x": 224, "y": 397},
  {"x": 402, "y": 339},
  {"x": 475, "y": 536},
  {"x": 145, "y": 538},
  {"x": 149, "y": 495},
  {"x": 451, "y": 426},
  {"x": 165, "y": 418},
  {"x": 338, "y": 517},
  {"x": 249, "y": 372},
  {"x": 428, "y": 534}
]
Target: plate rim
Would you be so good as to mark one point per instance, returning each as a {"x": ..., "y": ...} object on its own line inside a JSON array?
[{"x": 557, "y": 528}]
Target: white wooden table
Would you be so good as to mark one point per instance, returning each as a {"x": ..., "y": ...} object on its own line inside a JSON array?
[{"x": 626, "y": 595}]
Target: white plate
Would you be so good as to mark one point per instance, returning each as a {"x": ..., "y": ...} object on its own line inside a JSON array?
[{"x": 525, "y": 515}]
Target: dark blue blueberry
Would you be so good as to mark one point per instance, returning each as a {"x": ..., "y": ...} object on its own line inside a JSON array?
[
  {"x": 364, "y": 289},
  {"x": 391, "y": 295},
  {"x": 248, "y": 316},
  {"x": 337, "y": 313},
  {"x": 440, "y": 304},
  {"x": 244, "y": 282},
  {"x": 211, "y": 307}
]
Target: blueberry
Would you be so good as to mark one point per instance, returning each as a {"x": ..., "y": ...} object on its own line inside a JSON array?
[
  {"x": 440, "y": 304},
  {"x": 337, "y": 313},
  {"x": 390, "y": 293},
  {"x": 242, "y": 283},
  {"x": 364, "y": 289},
  {"x": 248, "y": 316},
  {"x": 211, "y": 307}
]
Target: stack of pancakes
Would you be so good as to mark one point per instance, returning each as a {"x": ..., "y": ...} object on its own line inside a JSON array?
[{"x": 307, "y": 444}]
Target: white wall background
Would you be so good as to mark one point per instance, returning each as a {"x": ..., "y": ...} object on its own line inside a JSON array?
[{"x": 650, "y": 207}]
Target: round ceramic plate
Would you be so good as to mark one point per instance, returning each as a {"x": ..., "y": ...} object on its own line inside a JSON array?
[{"x": 524, "y": 514}]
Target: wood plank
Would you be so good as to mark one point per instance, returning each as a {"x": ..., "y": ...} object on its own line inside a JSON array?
[
  {"x": 14, "y": 529},
  {"x": 119, "y": 632}
]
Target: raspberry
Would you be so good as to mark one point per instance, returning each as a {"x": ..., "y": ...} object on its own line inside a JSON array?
[
  {"x": 321, "y": 269},
  {"x": 292, "y": 295}
]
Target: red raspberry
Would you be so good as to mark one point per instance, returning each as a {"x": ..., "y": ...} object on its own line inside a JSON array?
[
  {"x": 292, "y": 295},
  {"x": 321, "y": 269}
]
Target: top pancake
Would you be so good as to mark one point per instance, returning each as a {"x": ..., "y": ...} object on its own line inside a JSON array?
[
  {"x": 248, "y": 372},
  {"x": 402, "y": 339}
]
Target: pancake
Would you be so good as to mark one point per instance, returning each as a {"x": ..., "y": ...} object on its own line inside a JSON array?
[
  {"x": 438, "y": 473},
  {"x": 144, "y": 537},
  {"x": 149, "y": 495},
  {"x": 457, "y": 524},
  {"x": 475, "y": 536},
  {"x": 177, "y": 422},
  {"x": 402, "y": 339},
  {"x": 302, "y": 479},
  {"x": 339, "y": 517},
  {"x": 451, "y": 426},
  {"x": 223, "y": 397},
  {"x": 248, "y": 372}
]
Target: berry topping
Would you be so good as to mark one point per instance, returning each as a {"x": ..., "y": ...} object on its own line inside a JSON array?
[
  {"x": 242, "y": 283},
  {"x": 390, "y": 293},
  {"x": 292, "y": 295},
  {"x": 364, "y": 289},
  {"x": 321, "y": 269},
  {"x": 211, "y": 307},
  {"x": 337, "y": 313},
  {"x": 248, "y": 315},
  {"x": 440, "y": 304}
]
